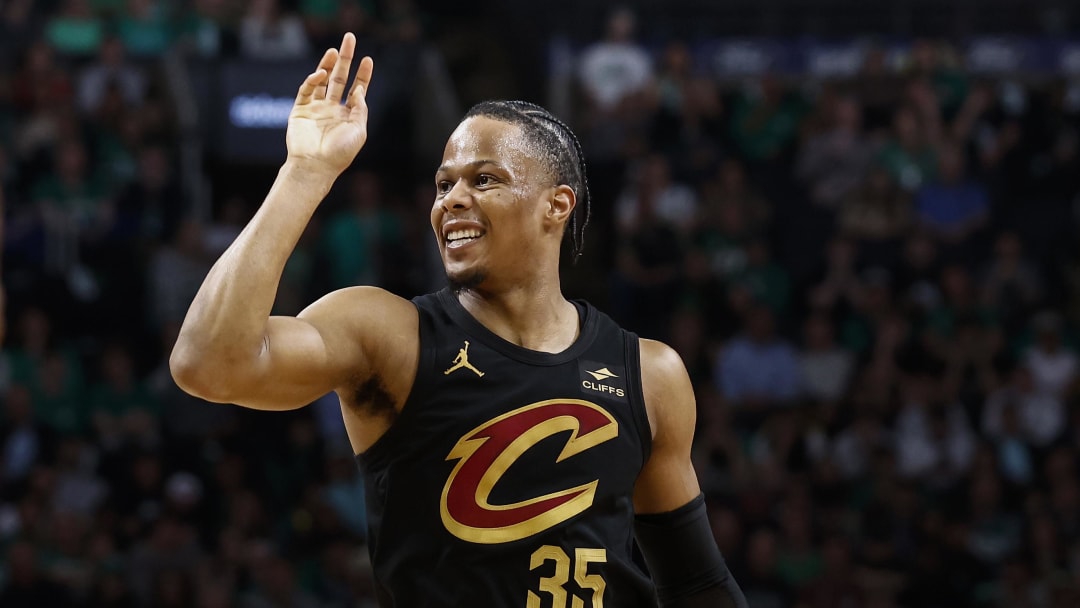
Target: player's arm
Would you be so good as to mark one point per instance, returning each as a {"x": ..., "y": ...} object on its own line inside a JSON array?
[
  {"x": 229, "y": 348},
  {"x": 672, "y": 526}
]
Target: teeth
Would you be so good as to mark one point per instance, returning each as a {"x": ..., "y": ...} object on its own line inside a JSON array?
[{"x": 470, "y": 233}]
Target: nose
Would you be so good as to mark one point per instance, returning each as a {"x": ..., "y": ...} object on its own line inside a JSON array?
[{"x": 459, "y": 196}]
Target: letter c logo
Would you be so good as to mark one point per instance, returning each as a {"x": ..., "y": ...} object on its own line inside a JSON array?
[{"x": 485, "y": 453}]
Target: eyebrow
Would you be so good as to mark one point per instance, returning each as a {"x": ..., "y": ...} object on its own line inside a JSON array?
[{"x": 474, "y": 164}]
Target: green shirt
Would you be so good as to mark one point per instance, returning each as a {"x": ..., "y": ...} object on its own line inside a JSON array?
[
  {"x": 75, "y": 36},
  {"x": 768, "y": 283},
  {"x": 80, "y": 199},
  {"x": 910, "y": 169},
  {"x": 762, "y": 133},
  {"x": 145, "y": 37},
  {"x": 352, "y": 241},
  {"x": 323, "y": 9}
]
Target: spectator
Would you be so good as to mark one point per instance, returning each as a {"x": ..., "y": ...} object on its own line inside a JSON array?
[
  {"x": 616, "y": 67},
  {"x": 1016, "y": 459},
  {"x": 835, "y": 587},
  {"x": 268, "y": 32},
  {"x": 275, "y": 585},
  {"x": 878, "y": 87},
  {"x": 20, "y": 25},
  {"x": 856, "y": 446},
  {"x": 826, "y": 368},
  {"x": 110, "y": 69},
  {"x": 77, "y": 487},
  {"x": 862, "y": 324},
  {"x": 766, "y": 280},
  {"x": 123, "y": 411},
  {"x": 909, "y": 155},
  {"x": 202, "y": 27},
  {"x": 995, "y": 531},
  {"x": 150, "y": 208},
  {"x": 962, "y": 332},
  {"x": 175, "y": 274},
  {"x": 952, "y": 208},
  {"x": 75, "y": 30},
  {"x": 798, "y": 560},
  {"x": 688, "y": 123},
  {"x": 1054, "y": 368},
  {"x": 40, "y": 79},
  {"x": 672, "y": 202},
  {"x": 57, "y": 392},
  {"x": 1040, "y": 417},
  {"x": 145, "y": 29},
  {"x": 764, "y": 121},
  {"x": 23, "y": 440},
  {"x": 355, "y": 238},
  {"x": 161, "y": 564},
  {"x": 26, "y": 586},
  {"x": 75, "y": 203},
  {"x": 760, "y": 581},
  {"x": 648, "y": 269},
  {"x": 758, "y": 370},
  {"x": 832, "y": 163},
  {"x": 839, "y": 287},
  {"x": 933, "y": 63},
  {"x": 1011, "y": 283},
  {"x": 876, "y": 212},
  {"x": 729, "y": 186},
  {"x": 934, "y": 439}
]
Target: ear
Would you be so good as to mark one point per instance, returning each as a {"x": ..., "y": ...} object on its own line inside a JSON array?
[{"x": 561, "y": 204}]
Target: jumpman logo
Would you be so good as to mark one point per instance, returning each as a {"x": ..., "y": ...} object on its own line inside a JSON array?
[{"x": 462, "y": 360}]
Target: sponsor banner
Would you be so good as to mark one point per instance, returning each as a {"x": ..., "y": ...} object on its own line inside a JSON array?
[{"x": 734, "y": 58}]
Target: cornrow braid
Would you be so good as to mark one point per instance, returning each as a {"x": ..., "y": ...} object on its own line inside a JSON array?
[{"x": 561, "y": 150}]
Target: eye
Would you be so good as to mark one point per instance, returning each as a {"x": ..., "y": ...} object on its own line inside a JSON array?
[
  {"x": 443, "y": 187},
  {"x": 484, "y": 180}
]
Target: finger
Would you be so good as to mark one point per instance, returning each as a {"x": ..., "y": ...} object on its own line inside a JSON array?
[
  {"x": 361, "y": 82},
  {"x": 358, "y": 110},
  {"x": 327, "y": 62},
  {"x": 307, "y": 88},
  {"x": 339, "y": 77}
]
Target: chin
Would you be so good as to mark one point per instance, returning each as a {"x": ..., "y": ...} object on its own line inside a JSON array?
[{"x": 465, "y": 280}]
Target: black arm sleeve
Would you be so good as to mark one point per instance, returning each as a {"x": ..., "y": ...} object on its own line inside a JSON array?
[{"x": 684, "y": 561}]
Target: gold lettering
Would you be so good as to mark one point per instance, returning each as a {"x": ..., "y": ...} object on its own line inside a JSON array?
[{"x": 554, "y": 585}]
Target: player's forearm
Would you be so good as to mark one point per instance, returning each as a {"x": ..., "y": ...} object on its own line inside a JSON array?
[{"x": 225, "y": 326}]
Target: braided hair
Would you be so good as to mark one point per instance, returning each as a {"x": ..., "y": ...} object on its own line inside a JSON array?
[{"x": 561, "y": 152}]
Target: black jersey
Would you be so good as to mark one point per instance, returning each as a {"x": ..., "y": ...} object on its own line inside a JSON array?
[{"x": 506, "y": 480}]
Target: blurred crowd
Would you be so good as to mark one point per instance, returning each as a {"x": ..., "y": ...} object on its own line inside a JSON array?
[{"x": 874, "y": 282}]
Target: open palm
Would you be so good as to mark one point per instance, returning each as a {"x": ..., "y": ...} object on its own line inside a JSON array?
[{"x": 322, "y": 130}]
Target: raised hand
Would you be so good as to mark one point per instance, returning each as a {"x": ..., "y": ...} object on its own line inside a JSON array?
[{"x": 323, "y": 132}]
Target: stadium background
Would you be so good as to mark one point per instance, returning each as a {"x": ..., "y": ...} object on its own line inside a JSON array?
[{"x": 856, "y": 221}]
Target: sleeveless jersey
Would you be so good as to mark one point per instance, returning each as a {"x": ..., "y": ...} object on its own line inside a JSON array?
[{"x": 506, "y": 480}]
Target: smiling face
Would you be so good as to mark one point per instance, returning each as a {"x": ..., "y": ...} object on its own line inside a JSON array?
[{"x": 498, "y": 216}]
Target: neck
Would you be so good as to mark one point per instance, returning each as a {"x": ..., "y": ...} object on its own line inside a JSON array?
[{"x": 532, "y": 315}]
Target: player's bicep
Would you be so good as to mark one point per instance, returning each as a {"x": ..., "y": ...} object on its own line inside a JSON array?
[
  {"x": 298, "y": 363},
  {"x": 332, "y": 343},
  {"x": 667, "y": 481}
]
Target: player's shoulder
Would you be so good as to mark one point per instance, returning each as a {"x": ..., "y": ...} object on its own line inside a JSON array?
[
  {"x": 660, "y": 363},
  {"x": 666, "y": 387},
  {"x": 366, "y": 305},
  {"x": 658, "y": 353}
]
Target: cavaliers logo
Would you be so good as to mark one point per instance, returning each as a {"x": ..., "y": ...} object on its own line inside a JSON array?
[{"x": 485, "y": 453}]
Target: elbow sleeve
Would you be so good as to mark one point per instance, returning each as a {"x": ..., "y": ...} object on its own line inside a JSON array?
[{"x": 684, "y": 561}]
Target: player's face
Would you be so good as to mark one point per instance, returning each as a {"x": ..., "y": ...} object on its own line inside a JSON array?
[{"x": 487, "y": 214}]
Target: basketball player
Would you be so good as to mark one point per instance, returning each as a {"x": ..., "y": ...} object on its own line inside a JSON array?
[{"x": 514, "y": 443}]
